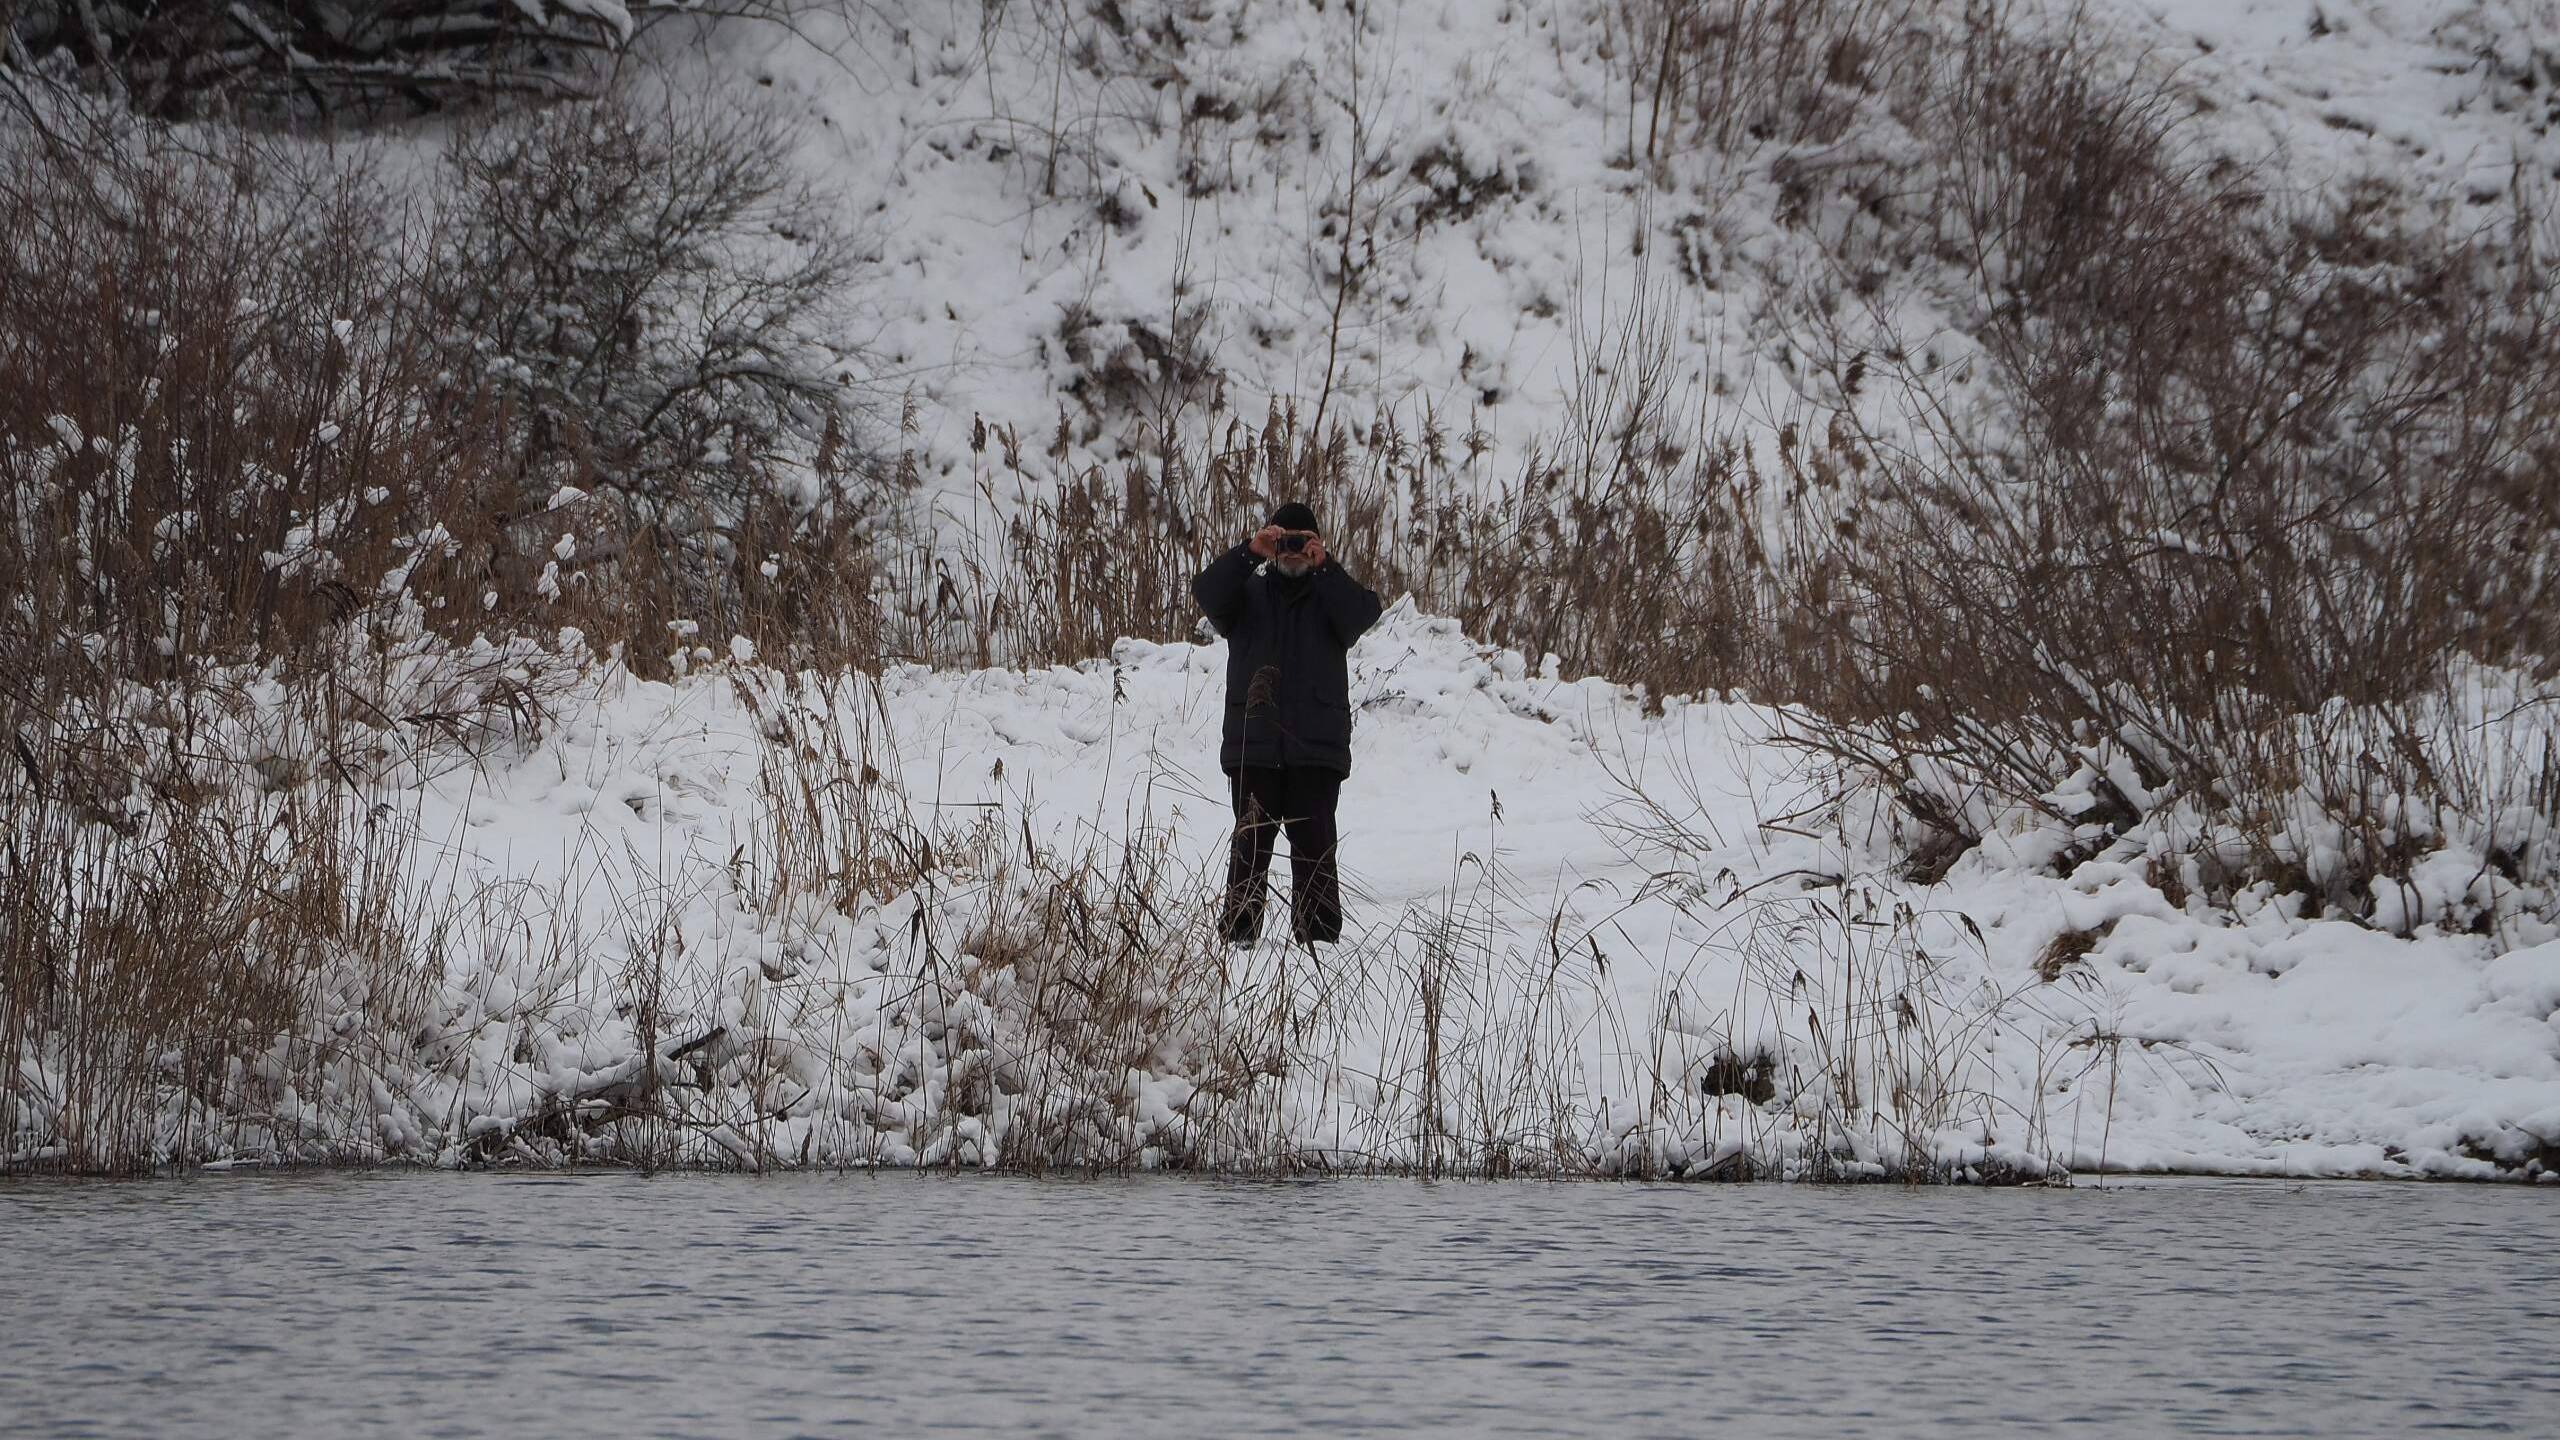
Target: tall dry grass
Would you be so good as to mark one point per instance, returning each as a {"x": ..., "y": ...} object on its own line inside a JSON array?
[
  {"x": 269, "y": 560},
  {"x": 1737, "y": 77},
  {"x": 1625, "y": 551},
  {"x": 2257, "y": 487}
]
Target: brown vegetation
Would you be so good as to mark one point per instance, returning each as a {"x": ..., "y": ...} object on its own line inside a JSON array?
[{"x": 2202, "y": 527}]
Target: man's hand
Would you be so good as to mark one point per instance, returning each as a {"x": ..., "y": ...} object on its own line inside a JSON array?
[
  {"x": 1264, "y": 542},
  {"x": 1315, "y": 553}
]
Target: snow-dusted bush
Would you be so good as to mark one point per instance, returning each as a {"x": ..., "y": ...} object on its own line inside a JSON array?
[
  {"x": 2259, "y": 490},
  {"x": 658, "y": 298},
  {"x": 1733, "y": 76},
  {"x": 658, "y": 307}
]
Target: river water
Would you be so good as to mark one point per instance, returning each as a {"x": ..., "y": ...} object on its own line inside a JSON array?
[{"x": 621, "y": 1305}]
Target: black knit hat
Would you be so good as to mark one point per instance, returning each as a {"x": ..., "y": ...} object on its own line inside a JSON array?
[{"x": 1294, "y": 516}]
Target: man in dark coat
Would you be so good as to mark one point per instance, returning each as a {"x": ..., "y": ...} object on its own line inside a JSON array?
[{"x": 1289, "y": 613}]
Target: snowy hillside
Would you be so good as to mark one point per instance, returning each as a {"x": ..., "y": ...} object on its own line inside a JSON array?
[
  {"x": 2453, "y": 98},
  {"x": 1137, "y": 214}
]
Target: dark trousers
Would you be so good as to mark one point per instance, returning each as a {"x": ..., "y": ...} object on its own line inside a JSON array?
[{"x": 1268, "y": 801}]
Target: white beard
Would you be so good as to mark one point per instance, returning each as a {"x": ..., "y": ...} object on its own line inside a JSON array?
[{"x": 1291, "y": 563}]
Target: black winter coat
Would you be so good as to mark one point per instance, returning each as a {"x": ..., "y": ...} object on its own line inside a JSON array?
[{"x": 1300, "y": 631}]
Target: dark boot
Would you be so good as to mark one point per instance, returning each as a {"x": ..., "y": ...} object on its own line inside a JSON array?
[{"x": 1240, "y": 925}]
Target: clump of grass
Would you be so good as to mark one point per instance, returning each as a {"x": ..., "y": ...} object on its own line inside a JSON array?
[
  {"x": 2066, "y": 949},
  {"x": 1735, "y": 77}
]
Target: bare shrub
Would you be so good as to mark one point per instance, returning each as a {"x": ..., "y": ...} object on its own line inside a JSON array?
[
  {"x": 1735, "y": 75},
  {"x": 2253, "y": 482},
  {"x": 252, "y": 399},
  {"x": 181, "y": 60},
  {"x": 655, "y": 305}
]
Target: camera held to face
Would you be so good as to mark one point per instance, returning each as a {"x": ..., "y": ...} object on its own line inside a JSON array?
[{"x": 1292, "y": 550}]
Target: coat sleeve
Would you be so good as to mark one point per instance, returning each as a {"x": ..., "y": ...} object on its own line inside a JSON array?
[
  {"x": 1350, "y": 607},
  {"x": 1220, "y": 588}
]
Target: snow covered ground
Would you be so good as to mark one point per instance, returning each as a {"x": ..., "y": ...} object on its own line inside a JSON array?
[
  {"x": 1543, "y": 970},
  {"x": 2452, "y": 98}
]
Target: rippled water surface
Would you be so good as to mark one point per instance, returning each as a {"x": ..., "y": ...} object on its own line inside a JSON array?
[{"x": 413, "y": 1304}]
